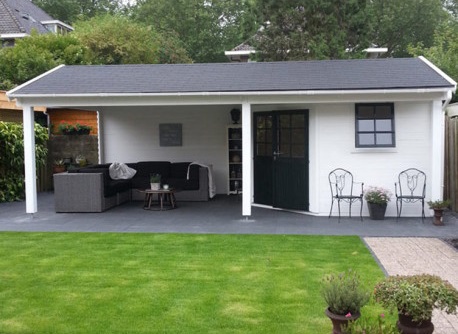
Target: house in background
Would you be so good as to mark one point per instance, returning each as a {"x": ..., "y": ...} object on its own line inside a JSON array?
[
  {"x": 10, "y": 112},
  {"x": 300, "y": 120},
  {"x": 244, "y": 52},
  {"x": 18, "y": 18}
]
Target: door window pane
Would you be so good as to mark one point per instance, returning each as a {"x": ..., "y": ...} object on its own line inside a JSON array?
[
  {"x": 285, "y": 151},
  {"x": 285, "y": 136},
  {"x": 297, "y": 151},
  {"x": 297, "y": 121},
  {"x": 298, "y": 136}
]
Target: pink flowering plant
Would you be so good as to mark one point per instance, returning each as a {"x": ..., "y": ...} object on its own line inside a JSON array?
[
  {"x": 377, "y": 195},
  {"x": 344, "y": 294}
]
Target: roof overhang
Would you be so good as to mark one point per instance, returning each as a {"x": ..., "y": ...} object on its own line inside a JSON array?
[
  {"x": 310, "y": 95},
  {"x": 57, "y": 22},
  {"x": 226, "y": 98},
  {"x": 13, "y": 36}
]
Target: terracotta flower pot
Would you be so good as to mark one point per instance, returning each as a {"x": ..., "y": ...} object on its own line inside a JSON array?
[
  {"x": 438, "y": 213},
  {"x": 58, "y": 169},
  {"x": 407, "y": 326},
  {"x": 340, "y": 321}
]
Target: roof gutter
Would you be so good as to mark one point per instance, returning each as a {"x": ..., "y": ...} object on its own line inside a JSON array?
[{"x": 11, "y": 93}]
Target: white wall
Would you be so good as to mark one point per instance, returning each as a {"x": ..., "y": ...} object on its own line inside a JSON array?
[
  {"x": 131, "y": 134},
  {"x": 334, "y": 146}
]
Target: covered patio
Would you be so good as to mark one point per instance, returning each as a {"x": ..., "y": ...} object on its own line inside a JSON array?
[
  {"x": 221, "y": 215},
  {"x": 299, "y": 120}
]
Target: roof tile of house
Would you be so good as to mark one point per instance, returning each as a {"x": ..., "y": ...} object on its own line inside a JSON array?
[
  {"x": 361, "y": 74},
  {"x": 21, "y": 16}
]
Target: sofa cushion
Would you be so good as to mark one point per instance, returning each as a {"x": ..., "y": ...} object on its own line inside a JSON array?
[
  {"x": 113, "y": 187},
  {"x": 146, "y": 168},
  {"x": 104, "y": 171},
  {"x": 183, "y": 184},
  {"x": 179, "y": 170},
  {"x": 140, "y": 182}
]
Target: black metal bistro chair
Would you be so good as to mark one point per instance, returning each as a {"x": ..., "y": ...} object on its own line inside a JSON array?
[
  {"x": 410, "y": 188},
  {"x": 343, "y": 188}
]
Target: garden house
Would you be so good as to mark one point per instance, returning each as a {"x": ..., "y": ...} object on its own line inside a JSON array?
[{"x": 299, "y": 120}]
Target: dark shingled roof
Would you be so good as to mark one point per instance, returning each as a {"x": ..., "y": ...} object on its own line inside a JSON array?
[
  {"x": 21, "y": 16},
  {"x": 362, "y": 74}
]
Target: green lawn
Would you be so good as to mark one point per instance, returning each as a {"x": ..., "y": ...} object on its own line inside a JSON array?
[{"x": 171, "y": 283}]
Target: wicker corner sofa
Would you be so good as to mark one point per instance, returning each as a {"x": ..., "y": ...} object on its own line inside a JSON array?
[{"x": 91, "y": 189}]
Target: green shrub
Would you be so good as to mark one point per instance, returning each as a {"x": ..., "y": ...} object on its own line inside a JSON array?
[
  {"x": 12, "y": 158},
  {"x": 417, "y": 295}
]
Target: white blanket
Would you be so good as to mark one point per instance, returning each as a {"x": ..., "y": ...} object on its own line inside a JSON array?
[
  {"x": 211, "y": 184},
  {"x": 120, "y": 171}
]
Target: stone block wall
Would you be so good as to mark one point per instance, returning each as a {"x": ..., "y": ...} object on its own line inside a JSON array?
[{"x": 61, "y": 147}]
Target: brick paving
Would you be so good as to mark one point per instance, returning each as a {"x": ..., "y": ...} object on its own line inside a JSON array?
[{"x": 410, "y": 256}]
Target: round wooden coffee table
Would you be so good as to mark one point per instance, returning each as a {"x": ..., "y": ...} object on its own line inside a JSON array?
[{"x": 165, "y": 199}]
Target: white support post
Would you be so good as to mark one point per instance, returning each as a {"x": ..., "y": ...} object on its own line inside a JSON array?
[
  {"x": 247, "y": 160},
  {"x": 29, "y": 160},
  {"x": 437, "y": 150}
]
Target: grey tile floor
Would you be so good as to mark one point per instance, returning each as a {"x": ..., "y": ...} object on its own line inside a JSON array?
[{"x": 220, "y": 215}]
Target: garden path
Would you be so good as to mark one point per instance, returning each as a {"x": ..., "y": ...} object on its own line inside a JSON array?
[{"x": 411, "y": 256}]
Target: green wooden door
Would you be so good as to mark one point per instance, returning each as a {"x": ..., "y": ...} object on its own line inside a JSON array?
[{"x": 281, "y": 159}]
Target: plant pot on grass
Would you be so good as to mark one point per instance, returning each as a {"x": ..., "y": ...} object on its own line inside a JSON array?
[
  {"x": 438, "y": 207},
  {"x": 155, "y": 181},
  {"x": 344, "y": 297},
  {"x": 414, "y": 298}
]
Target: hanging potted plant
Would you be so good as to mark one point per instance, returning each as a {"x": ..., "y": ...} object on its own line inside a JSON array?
[
  {"x": 155, "y": 181},
  {"x": 415, "y": 297},
  {"x": 377, "y": 200},
  {"x": 438, "y": 207},
  {"x": 345, "y": 297},
  {"x": 82, "y": 129},
  {"x": 67, "y": 129}
]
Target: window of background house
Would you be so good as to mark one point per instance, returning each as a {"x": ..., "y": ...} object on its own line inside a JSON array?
[{"x": 375, "y": 125}]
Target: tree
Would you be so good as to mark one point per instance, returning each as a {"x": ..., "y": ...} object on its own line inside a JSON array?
[
  {"x": 444, "y": 50},
  {"x": 399, "y": 23},
  {"x": 313, "y": 29},
  {"x": 206, "y": 28},
  {"x": 34, "y": 55},
  {"x": 117, "y": 40},
  {"x": 71, "y": 10}
]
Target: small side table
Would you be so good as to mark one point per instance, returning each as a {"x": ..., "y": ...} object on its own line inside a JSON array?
[{"x": 165, "y": 199}]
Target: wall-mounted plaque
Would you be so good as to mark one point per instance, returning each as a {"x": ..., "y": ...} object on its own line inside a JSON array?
[{"x": 170, "y": 134}]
